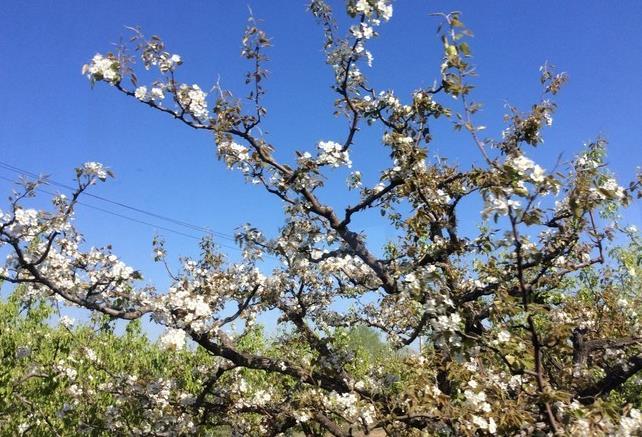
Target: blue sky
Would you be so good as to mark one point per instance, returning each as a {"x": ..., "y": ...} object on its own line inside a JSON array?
[{"x": 53, "y": 120}]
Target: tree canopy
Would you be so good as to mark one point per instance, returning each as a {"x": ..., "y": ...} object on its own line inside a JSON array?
[{"x": 529, "y": 326}]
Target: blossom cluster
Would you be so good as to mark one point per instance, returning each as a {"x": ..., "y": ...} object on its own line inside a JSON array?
[
  {"x": 333, "y": 154},
  {"x": 525, "y": 167},
  {"x": 103, "y": 68},
  {"x": 92, "y": 171},
  {"x": 156, "y": 94},
  {"x": 234, "y": 154},
  {"x": 371, "y": 8},
  {"x": 499, "y": 204},
  {"x": 192, "y": 99},
  {"x": 173, "y": 339}
]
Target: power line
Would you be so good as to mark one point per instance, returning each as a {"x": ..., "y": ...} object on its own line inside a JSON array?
[
  {"x": 115, "y": 213},
  {"x": 190, "y": 226},
  {"x": 182, "y": 223},
  {"x": 132, "y": 219}
]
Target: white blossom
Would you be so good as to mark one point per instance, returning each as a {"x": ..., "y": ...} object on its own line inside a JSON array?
[
  {"x": 105, "y": 68},
  {"x": 503, "y": 336},
  {"x": 499, "y": 205},
  {"x": 94, "y": 169},
  {"x": 192, "y": 99},
  {"x": 332, "y": 153},
  {"x": 173, "y": 339},
  {"x": 141, "y": 93},
  {"x": 630, "y": 425},
  {"x": 67, "y": 322}
]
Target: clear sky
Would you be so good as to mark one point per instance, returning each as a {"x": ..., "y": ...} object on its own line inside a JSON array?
[{"x": 52, "y": 120}]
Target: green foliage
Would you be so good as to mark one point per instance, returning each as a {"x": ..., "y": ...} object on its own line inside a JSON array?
[{"x": 66, "y": 381}]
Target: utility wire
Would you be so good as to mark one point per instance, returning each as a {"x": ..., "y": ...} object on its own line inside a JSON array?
[
  {"x": 182, "y": 223},
  {"x": 132, "y": 219},
  {"x": 190, "y": 226},
  {"x": 114, "y": 213}
]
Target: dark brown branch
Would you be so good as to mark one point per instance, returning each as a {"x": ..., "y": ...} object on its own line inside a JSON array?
[
  {"x": 39, "y": 278},
  {"x": 241, "y": 307},
  {"x": 171, "y": 112},
  {"x": 224, "y": 348},
  {"x": 582, "y": 348},
  {"x": 328, "y": 424},
  {"x": 369, "y": 200},
  {"x": 615, "y": 377}
]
